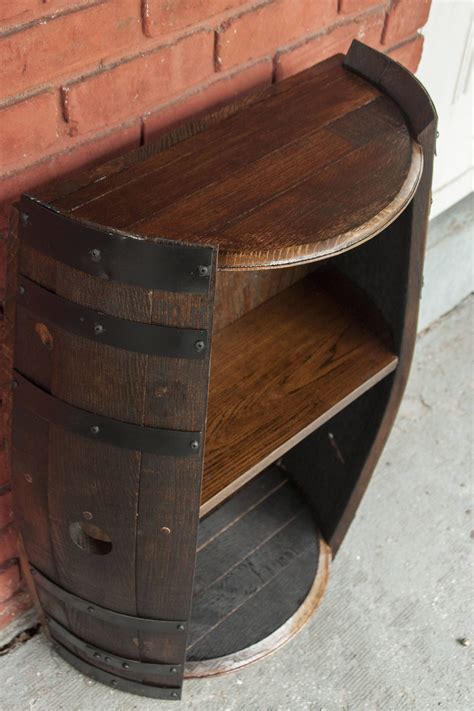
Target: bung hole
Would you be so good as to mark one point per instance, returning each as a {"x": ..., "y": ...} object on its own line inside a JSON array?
[{"x": 90, "y": 538}]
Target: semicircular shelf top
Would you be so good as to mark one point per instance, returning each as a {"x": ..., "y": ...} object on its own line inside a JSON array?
[{"x": 300, "y": 171}]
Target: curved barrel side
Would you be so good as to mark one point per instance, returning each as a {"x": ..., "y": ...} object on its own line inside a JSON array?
[
  {"x": 108, "y": 439},
  {"x": 338, "y": 460}
]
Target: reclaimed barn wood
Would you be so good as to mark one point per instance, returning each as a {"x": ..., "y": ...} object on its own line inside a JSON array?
[{"x": 213, "y": 335}]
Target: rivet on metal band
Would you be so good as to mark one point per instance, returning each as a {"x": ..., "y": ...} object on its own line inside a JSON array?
[
  {"x": 141, "y": 624},
  {"x": 113, "y": 255},
  {"x": 121, "y": 333},
  {"x": 31, "y": 398}
]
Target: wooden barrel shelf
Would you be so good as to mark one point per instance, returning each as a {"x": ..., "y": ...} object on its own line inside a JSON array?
[{"x": 213, "y": 334}]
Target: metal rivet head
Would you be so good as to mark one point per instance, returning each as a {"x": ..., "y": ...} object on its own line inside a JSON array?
[
  {"x": 98, "y": 329},
  {"x": 95, "y": 429},
  {"x": 203, "y": 271},
  {"x": 95, "y": 255},
  {"x": 173, "y": 670},
  {"x": 194, "y": 444},
  {"x": 199, "y": 346},
  {"x": 180, "y": 628},
  {"x": 91, "y": 609},
  {"x": 24, "y": 218},
  {"x": 87, "y": 515},
  {"x": 113, "y": 682},
  {"x": 96, "y": 655},
  {"x": 107, "y": 660},
  {"x": 174, "y": 694},
  {"x": 21, "y": 290},
  {"x": 125, "y": 665}
]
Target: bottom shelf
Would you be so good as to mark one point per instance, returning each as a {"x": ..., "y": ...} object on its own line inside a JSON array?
[{"x": 262, "y": 568}]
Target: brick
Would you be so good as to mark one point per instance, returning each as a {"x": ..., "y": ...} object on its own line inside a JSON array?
[
  {"x": 14, "y": 607},
  {"x": 271, "y": 26},
  {"x": 6, "y": 510},
  {"x": 404, "y": 19},
  {"x": 347, "y": 7},
  {"x": 164, "y": 17},
  {"x": 226, "y": 88},
  {"x": 83, "y": 155},
  {"x": 367, "y": 29},
  {"x": 409, "y": 53},
  {"x": 140, "y": 84},
  {"x": 19, "y": 12},
  {"x": 69, "y": 43},
  {"x": 29, "y": 129},
  {"x": 8, "y": 544},
  {"x": 10, "y": 581},
  {"x": 16, "y": 10}
]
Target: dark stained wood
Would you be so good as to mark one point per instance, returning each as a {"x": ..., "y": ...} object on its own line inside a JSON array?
[
  {"x": 302, "y": 162},
  {"x": 278, "y": 373},
  {"x": 283, "y": 211},
  {"x": 238, "y": 292},
  {"x": 345, "y": 451},
  {"x": 126, "y": 164},
  {"x": 307, "y": 364},
  {"x": 122, "y": 493},
  {"x": 243, "y": 500},
  {"x": 280, "y": 506},
  {"x": 404, "y": 300},
  {"x": 252, "y": 574},
  {"x": 30, "y": 484}
]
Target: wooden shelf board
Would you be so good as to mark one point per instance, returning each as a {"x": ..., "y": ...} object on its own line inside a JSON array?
[
  {"x": 277, "y": 374},
  {"x": 309, "y": 167},
  {"x": 261, "y": 571}
]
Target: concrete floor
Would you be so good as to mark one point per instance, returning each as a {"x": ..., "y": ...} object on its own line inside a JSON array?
[{"x": 386, "y": 635}]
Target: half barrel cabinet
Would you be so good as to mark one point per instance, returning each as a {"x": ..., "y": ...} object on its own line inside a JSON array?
[{"x": 213, "y": 335}]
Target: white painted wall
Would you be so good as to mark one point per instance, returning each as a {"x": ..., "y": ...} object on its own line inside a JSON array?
[{"x": 446, "y": 71}]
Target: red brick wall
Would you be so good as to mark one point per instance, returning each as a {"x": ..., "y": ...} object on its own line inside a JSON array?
[{"x": 82, "y": 80}]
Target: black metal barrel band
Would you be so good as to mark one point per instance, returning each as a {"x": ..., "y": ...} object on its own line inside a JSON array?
[
  {"x": 153, "y": 440},
  {"x": 118, "y": 619},
  {"x": 122, "y": 333},
  {"x": 113, "y": 255},
  {"x": 117, "y": 682},
  {"x": 111, "y": 660}
]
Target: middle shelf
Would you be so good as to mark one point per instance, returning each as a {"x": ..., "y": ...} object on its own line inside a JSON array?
[{"x": 281, "y": 371}]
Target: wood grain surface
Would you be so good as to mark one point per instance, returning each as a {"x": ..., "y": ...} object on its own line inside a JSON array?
[
  {"x": 258, "y": 557},
  {"x": 302, "y": 366},
  {"x": 306, "y": 169},
  {"x": 147, "y": 506},
  {"x": 278, "y": 373}
]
